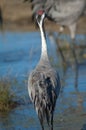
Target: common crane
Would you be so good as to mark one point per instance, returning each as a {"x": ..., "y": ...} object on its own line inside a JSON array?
[
  {"x": 64, "y": 12},
  {"x": 44, "y": 82}
]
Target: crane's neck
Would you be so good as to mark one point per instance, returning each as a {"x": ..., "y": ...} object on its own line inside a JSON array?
[{"x": 44, "y": 55}]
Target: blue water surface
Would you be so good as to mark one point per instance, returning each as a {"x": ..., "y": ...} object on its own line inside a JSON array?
[{"x": 19, "y": 54}]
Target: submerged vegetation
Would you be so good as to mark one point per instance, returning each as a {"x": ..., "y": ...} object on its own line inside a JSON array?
[{"x": 7, "y": 96}]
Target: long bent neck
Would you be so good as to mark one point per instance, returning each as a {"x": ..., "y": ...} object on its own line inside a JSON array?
[{"x": 44, "y": 55}]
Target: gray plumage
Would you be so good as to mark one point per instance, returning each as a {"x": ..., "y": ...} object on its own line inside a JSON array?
[
  {"x": 44, "y": 84},
  {"x": 63, "y": 12},
  {"x": 66, "y": 13}
]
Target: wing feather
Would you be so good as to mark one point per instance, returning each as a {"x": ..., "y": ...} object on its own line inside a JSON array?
[{"x": 43, "y": 89}]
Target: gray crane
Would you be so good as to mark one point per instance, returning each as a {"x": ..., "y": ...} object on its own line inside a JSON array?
[
  {"x": 44, "y": 82},
  {"x": 64, "y": 12}
]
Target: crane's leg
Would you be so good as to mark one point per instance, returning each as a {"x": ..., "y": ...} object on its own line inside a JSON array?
[
  {"x": 59, "y": 48},
  {"x": 72, "y": 46},
  {"x": 76, "y": 79},
  {"x": 72, "y": 29},
  {"x": 56, "y": 41}
]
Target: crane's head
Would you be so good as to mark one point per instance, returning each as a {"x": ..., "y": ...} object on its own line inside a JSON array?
[{"x": 40, "y": 15}]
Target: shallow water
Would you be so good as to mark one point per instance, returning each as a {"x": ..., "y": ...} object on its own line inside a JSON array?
[{"x": 19, "y": 54}]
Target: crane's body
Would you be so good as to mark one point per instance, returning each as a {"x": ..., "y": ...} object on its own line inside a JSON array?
[
  {"x": 44, "y": 85},
  {"x": 66, "y": 12},
  {"x": 63, "y": 12}
]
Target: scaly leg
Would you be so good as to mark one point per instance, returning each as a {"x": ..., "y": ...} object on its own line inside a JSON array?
[
  {"x": 72, "y": 47},
  {"x": 72, "y": 29}
]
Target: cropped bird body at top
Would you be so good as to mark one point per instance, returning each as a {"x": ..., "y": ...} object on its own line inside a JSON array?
[
  {"x": 63, "y": 12},
  {"x": 44, "y": 83}
]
